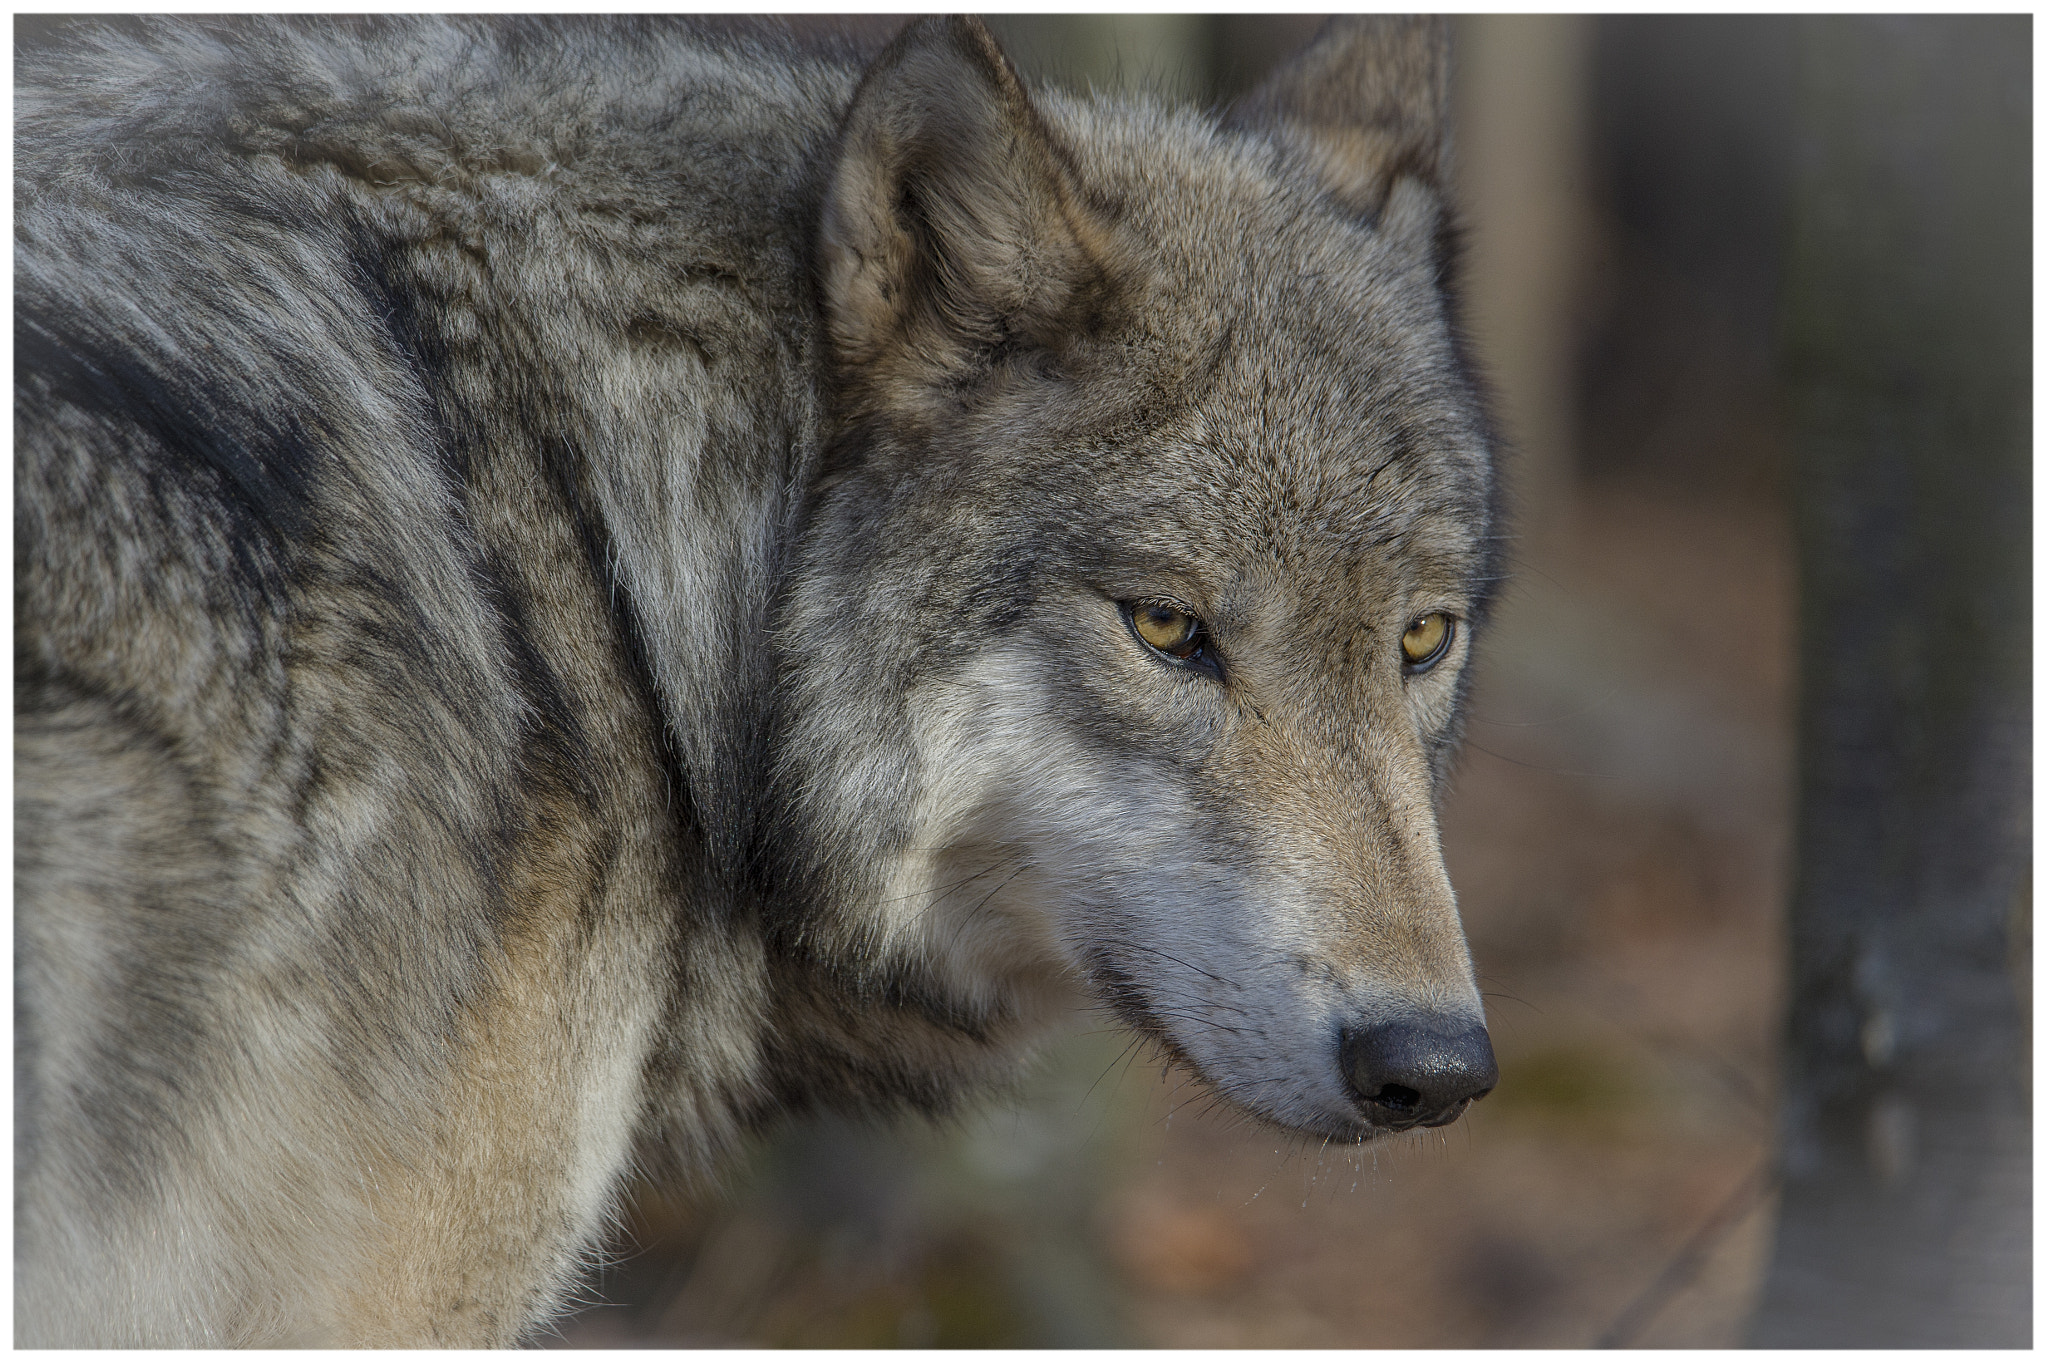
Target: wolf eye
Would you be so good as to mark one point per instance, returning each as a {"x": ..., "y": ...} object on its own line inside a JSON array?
[
  {"x": 1427, "y": 640},
  {"x": 1168, "y": 629}
]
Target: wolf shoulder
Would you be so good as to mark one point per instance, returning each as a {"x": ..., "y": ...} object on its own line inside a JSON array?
[
  {"x": 360, "y": 288},
  {"x": 359, "y": 206},
  {"x": 345, "y": 346},
  {"x": 342, "y": 346}
]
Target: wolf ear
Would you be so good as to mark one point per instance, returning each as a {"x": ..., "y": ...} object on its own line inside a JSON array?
[
  {"x": 951, "y": 228},
  {"x": 1366, "y": 104}
]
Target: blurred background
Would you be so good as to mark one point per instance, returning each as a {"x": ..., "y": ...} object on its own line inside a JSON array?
[{"x": 1753, "y": 293}]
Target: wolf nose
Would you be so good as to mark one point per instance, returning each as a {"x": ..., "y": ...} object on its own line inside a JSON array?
[{"x": 1406, "y": 1074}]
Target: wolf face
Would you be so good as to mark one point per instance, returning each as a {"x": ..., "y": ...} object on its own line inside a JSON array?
[{"x": 1128, "y": 632}]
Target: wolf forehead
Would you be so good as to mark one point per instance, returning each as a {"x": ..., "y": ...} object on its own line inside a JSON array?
[
  {"x": 1305, "y": 478},
  {"x": 1271, "y": 369}
]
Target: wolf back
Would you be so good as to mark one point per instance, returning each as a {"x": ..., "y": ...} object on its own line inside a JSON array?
[{"x": 575, "y": 594}]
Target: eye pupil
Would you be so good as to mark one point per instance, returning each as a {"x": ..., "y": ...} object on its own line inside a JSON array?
[{"x": 1427, "y": 639}]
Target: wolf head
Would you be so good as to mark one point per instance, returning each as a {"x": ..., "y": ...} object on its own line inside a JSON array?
[{"x": 1127, "y": 633}]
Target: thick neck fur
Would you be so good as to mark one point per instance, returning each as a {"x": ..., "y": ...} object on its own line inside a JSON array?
[{"x": 625, "y": 268}]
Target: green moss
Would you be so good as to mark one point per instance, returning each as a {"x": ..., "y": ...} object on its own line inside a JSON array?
[
  {"x": 960, "y": 1298},
  {"x": 1565, "y": 1081}
]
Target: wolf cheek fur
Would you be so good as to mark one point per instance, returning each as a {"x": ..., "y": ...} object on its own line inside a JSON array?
[{"x": 577, "y": 592}]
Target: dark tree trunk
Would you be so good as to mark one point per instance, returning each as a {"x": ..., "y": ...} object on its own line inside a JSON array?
[{"x": 1907, "y": 1181}]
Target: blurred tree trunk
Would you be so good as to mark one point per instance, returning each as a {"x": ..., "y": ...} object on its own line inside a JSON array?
[
  {"x": 1168, "y": 55},
  {"x": 1520, "y": 82},
  {"x": 1907, "y": 1182}
]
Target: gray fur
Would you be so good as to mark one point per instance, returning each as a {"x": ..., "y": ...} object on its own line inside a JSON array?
[{"x": 568, "y": 584}]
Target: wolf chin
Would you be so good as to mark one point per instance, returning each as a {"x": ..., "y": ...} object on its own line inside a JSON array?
[{"x": 585, "y": 586}]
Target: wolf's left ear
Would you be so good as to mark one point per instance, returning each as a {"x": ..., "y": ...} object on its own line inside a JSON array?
[
  {"x": 1366, "y": 104},
  {"x": 951, "y": 227}
]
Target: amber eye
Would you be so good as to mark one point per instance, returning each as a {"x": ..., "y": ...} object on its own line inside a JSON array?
[
  {"x": 1173, "y": 632},
  {"x": 1428, "y": 639}
]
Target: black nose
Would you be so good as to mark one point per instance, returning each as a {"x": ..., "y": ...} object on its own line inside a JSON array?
[{"x": 1417, "y": 1073}]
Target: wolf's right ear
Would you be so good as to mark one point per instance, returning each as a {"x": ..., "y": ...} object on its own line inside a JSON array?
[
  {"x": 1366, "y": 104},
  {"x": 951, "y": 228}
]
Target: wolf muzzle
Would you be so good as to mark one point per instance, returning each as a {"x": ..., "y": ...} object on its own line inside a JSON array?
[{"x": 1417, "y": 1073}]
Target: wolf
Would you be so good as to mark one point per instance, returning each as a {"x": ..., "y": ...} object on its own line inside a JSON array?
[{"x": 582, "y": 586}]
